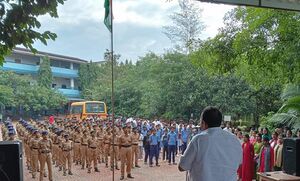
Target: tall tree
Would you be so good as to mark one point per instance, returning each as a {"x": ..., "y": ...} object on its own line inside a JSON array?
[
  {"x": 186, "y": 27},
  {"x": 45, "y": 77},
  {"x": 19, "y": 24}
]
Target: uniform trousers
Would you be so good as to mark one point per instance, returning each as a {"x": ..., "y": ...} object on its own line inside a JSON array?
[
  {"x": 125, "y": 154},
  {"x": 77, "y": 152},
  {"x": 171, "y": 153},
  {"x": 67, "y": 157},
  {"x": 114, "y": 156},
  {"x": 45, "y": 158},
  {"x": 154, "y": 153},
  {"x": 135, "y": 151},
  {"x": 34, "y": 161},
  {"x": 92, "y": 157}
]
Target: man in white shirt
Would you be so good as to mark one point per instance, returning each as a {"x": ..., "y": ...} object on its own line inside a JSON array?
[{"x": 214, "y": 154}]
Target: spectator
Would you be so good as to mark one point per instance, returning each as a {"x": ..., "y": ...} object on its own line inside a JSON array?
[
  {"x": 165, "y": 145},
  {"x": 278, "y": 154},
  {"x": 289, "y": 134},
  {"x": 273, "y": 141},
  {"x": 172, "y": 139},
  {"x": 253, "y": 137},
  {"x": 247, "y": 169},
  {"x": 266, "y": 157}
]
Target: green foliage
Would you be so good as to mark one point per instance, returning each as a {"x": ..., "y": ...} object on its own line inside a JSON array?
[
  {"x": 168, "y": 86},
  {"x": 45, "y": 77},
  {"x": 18, "y": 92},
  {"x": 289, "y": 113},
  {"x": 19, "y": 24}
]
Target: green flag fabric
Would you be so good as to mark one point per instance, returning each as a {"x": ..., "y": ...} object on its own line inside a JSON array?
[{"x": 108, "y": 14}]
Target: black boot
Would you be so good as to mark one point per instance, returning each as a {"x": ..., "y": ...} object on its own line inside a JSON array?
[{"x": 129, "y": 176}]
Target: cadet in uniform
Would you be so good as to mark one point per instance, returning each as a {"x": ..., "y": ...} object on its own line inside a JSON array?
[
  {"x": 106, "y": 140},
  {"x": 114, "y": 150},
  {"x": 83, "y": 148},
  {"x": 100, "y": 136},
  {"x": 45, "y": 148},
  {"x": 34, "y": 146},
  {"x": 67, "y": 146},
  {"x": 92, "y": 152},
  {"x": 125, "y": 153},
  {"x": 135, "y": 149},
  {"x": 77, "y": 138}
]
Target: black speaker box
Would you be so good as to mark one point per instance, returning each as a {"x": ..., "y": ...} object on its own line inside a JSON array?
[
  {"x": 11, "y": 161},
  {"x": 291, "y": 156}
]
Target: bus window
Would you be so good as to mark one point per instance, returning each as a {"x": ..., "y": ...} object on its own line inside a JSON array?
[
  {"x": 94, "y": 108},
  {"x": 76, "y": 109}
]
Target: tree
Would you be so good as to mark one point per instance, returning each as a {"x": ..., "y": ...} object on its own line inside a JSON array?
[
  {"x": 19, "y": 24},
  {"x": 186, "y": 27},
  {"x": 45, "y": 77},
  {"x": 289, "y": 113}
]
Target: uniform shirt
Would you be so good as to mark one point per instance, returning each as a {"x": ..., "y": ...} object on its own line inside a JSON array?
[
  {"x": 159, "y": 134},
  {"x": 172, "y": 138},
  {"x": 144, "y": 132},
  {"x": 165, "y": 140},
  {"x": 213, "y": 155},
  {"x": 184, "y": 135},
  {"x": 154, "y": 139}
]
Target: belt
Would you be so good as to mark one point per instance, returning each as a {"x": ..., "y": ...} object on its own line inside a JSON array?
[
  {"x": 56, "y": 143},
  {"x": 45, "y": 151},
  {"x": 126, "y": 146},
  {"x": 67, "y": 150},
  {"x": 84, "y": 144},
  {"x": 93, "y": 147},
  {"x": 115, "y": 144},
  {"x": 77, "y": 142},
  {"x": 107, "y": 143},
  {"x": 35, "y": 148},
  {"x": 135, "y": 144}
]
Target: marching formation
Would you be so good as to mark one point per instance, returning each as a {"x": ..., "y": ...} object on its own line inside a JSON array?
[{"x": 91, "y": 142}]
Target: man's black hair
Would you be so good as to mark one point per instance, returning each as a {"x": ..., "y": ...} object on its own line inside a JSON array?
[{"x": 212, "y": 116}]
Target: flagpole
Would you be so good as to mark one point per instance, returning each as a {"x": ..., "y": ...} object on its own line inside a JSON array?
[{"x": 112, "y": 87}]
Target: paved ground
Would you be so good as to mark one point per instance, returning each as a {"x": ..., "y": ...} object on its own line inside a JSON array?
[{"x": 163, "y": 173}]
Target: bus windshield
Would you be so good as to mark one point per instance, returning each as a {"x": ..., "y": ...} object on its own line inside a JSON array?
[
  {"x": 94, "y": 108},
  {"x": 76, "y": 109}
]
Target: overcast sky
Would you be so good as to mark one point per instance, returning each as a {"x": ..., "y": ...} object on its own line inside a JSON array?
[{"x": 137, "y": 27}]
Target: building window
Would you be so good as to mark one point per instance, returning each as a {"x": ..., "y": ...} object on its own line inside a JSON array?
[
  {"x": 37, "y": 63},
  {"x": 63, "y": 86},
  {"x": 76, "y": 66},
  {"x": 17, "y": 60},
  {"x": 53, "y": 85}
]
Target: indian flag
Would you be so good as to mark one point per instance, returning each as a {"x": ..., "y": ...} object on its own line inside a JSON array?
[{"x": 108, "y": 14}]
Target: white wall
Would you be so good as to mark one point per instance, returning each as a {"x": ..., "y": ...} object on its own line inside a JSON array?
[
  {"x": 60, "y": 81},
  {"x": 25, "y": 59}
]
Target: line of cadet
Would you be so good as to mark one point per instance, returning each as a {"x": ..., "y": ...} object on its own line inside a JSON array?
[{"x": 84, "y": 144}]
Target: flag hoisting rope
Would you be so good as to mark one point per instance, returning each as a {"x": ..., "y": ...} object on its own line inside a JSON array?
[{"x": 108, "y": 21}]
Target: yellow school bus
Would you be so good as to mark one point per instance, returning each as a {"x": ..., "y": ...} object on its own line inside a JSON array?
[{"x": 82, "y": 110}]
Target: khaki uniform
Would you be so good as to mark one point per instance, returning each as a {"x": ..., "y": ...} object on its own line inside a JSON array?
[
  {"x": 92, "y": 153},
  {"x": 83, "y": 150},
  {"x": 106, "y": 141},
  {"x": 67, "y": 156},
  {"x": 100, "y": 136},
  {"x": 55, "y": 150},
  {"x": 60, "y": 152},
  {"x": 135, "y": 148},
  {"x": 114, "y": 151},
  {"x": 45, "y": 147},
  {"x": 34, "y": 146},
  {"x": 77, "y": 142},
  {"x": 125, "y": 153}
]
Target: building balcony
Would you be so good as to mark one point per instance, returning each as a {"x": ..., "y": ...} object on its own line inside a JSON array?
[
  {"x": 33, "y": 69},
  {"x": 20, "y": 68},
  {"x": 63, "y": 72},
  {"x": 70, "y": 93}
]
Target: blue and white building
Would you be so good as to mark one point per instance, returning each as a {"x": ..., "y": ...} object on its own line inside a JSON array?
[{"x": 64, "y": 69}]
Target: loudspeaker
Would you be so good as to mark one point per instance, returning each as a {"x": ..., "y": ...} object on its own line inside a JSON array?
[
  {"x": 11, "y": 161},
  {"x": 291, "y": 156}
]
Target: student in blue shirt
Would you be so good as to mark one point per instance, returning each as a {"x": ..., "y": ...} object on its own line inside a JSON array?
[
  {"x": 184, "y": 138},
  {"x": 159, "y": 133},
  {"x": 154, "y": 148},
  {"x": 172, "y": 140},
  {"x": 164, "y": 141}
]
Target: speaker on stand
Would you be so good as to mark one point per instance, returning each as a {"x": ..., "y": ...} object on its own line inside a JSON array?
[
  {"x": 11, "y": 161},
  {"x": 291, "y": 156}
]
